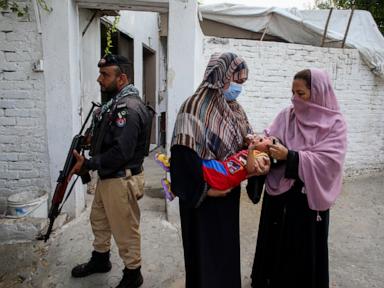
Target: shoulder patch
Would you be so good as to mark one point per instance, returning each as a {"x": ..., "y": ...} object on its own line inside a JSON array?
[
  {"x": 120, "y": 122},
  {"x": 122, "y": 105}
]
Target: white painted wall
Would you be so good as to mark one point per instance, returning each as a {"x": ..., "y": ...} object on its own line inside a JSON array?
[
  {"x": 163, "y": 59},
  {"x": 184, "y": 36},
  {"x": 268, "y": 90},
  {"x": 90, "y": 56},
  {"x": 144, "y": 29},
  {"x": 61, "y": 46},
  {"x": 200, "y": 62},
  {"x": 184, "y": 44},
  {"x": 23, "y": 150}
]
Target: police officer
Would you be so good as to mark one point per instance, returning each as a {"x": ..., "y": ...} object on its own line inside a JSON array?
[{"x": 119, "y": 132}]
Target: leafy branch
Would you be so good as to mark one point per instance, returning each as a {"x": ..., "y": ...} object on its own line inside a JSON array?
[
  {"x": 44, "y": 5},
  {"x": 19, "y": 10},
  {"x": 111, "y": 29}
]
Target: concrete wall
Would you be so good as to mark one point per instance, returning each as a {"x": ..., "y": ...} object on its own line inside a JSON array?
[
  {"x": 61, "y": 46},
  {"x": 143, "y": 28},
  {"x": 183, "y": 61},
  {"x": 184, "y": 66},
  {"x": 268, "y": 90},
  {"x": 90, "y": 56},
  {"x": 24, "y": 164}
]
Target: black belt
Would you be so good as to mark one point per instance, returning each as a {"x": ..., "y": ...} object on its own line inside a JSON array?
[{"x": 123, "y": 173}]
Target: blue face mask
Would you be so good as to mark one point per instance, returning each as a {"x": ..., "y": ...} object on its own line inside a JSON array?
[{"x": 233, "y": 91}]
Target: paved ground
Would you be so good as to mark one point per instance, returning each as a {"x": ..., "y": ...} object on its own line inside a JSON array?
[{"x": 356, "y": 243}]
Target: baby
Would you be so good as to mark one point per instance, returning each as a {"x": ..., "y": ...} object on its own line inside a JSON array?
[{"x": 224, "y": 175}]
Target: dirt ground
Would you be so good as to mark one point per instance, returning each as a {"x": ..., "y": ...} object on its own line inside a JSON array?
[{"x": 355, "y": 244}]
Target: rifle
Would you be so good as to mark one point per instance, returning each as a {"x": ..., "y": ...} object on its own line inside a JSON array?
[{"x": 63, "y": 180}]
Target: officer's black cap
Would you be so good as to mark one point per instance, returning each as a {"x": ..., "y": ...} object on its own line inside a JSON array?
[{"x": 113, "y": 60}]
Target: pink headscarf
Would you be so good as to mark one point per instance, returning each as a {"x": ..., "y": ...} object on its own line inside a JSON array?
[{"x": 316, "y": 129}]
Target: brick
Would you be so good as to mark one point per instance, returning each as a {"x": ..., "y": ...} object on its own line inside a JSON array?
[
  {"x": 10, "y": 47},
  {"x": 9, "y": 67},
  {"x": 20, "y": 165},
  {"x": 16, "y": 94},
  {"x": 24, "y": 103},
  {"x": 17, "y": 76},
  {"x": 9, "y": 175},
  {"x": 17, "y": 36},
  {"x": 8, "y": 156},
  {"x": 6, "y": 27},
  {"x": 26, "y": 122},
  {"x": 29, "y": 174},
  {"x": 7, "y": 104},
  {"x": 36, "y": 113},
  {"x": 17, "y": 112},
  {"x": 27, "y": 156},
  {"x": 11, "y": 85},
  {"x": 16, "y": 103},
  {"x": 8, "y": 139},
  {"x": 37, "y": 147},
  {"x": 7, "y": 121},
  {"x": 18, "y": 56},
  {"x": 23, "y": 183},
  {"x": 14, "y": 147},
  {"x": 3, "y": 166}
]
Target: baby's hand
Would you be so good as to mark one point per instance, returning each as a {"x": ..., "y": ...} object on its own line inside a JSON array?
[
  {"x": 253, "y": 145},
  {"x": 274, "y": 140}
]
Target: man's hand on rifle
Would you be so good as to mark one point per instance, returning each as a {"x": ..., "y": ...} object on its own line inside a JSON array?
[{"x": 80, "y": 159}]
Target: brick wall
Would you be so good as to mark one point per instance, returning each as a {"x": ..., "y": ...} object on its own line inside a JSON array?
[
  {"x": 23, "y": 140},
  {"x": 268, "y": 90}
]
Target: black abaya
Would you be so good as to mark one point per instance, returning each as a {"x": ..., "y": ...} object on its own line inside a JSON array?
[
  {"x": 210, "y": 231},
  {"x": 292, "y": 243}
]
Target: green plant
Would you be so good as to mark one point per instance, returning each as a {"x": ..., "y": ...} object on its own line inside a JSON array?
[
  {"x": 111, "y": 29},
  {"x": 44, "y": 5},
  {"x": 19, "y": 10}
]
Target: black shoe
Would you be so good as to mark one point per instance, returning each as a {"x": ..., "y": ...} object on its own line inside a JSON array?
[
  {"x": 99, "y": 263},
  {"x": 132, "y": 278}
]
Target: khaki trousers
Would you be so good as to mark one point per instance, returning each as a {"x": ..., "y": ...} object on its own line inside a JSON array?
[{"x": 115, "y": 211}]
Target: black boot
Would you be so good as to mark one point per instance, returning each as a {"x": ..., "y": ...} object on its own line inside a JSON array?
[
  {"x": 132, "y": 278},
  {"x": 99, "y": 263}
]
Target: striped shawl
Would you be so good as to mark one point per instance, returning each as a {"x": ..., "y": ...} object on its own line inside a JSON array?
[{"x": 206, "y": 122}]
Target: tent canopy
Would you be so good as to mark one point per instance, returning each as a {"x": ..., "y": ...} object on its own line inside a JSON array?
[{"x": 307, "y": 27}]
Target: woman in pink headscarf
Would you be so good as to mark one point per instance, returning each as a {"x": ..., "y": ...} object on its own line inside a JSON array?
[{"x": 292, "y": 243}]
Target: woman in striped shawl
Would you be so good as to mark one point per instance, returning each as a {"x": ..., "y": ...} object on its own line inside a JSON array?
[{"x": 210, "y": 125}]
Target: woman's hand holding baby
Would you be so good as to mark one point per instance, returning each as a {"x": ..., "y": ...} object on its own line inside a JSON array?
[{"x": 278, "y": 151}]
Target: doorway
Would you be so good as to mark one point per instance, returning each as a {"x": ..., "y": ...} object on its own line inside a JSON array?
[{"x": 149, "y": 84}]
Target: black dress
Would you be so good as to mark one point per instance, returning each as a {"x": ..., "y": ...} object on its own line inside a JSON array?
[
  {"x": 210, "y": 231},
  {"x": 292, "y": 242}
]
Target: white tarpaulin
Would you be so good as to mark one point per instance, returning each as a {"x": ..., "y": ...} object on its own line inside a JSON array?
[{"x": 307, "y": 27}]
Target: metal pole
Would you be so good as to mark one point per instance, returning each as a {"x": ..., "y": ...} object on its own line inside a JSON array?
[
  {"x": 265, "y": 31},
  {"x": 349, "y": 24},
  {"x": 326, "y": 28},
  {"x": 89, "y": 22}
]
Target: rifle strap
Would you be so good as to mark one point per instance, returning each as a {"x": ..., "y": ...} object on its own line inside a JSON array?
[{"x": 68, "y": 193}]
